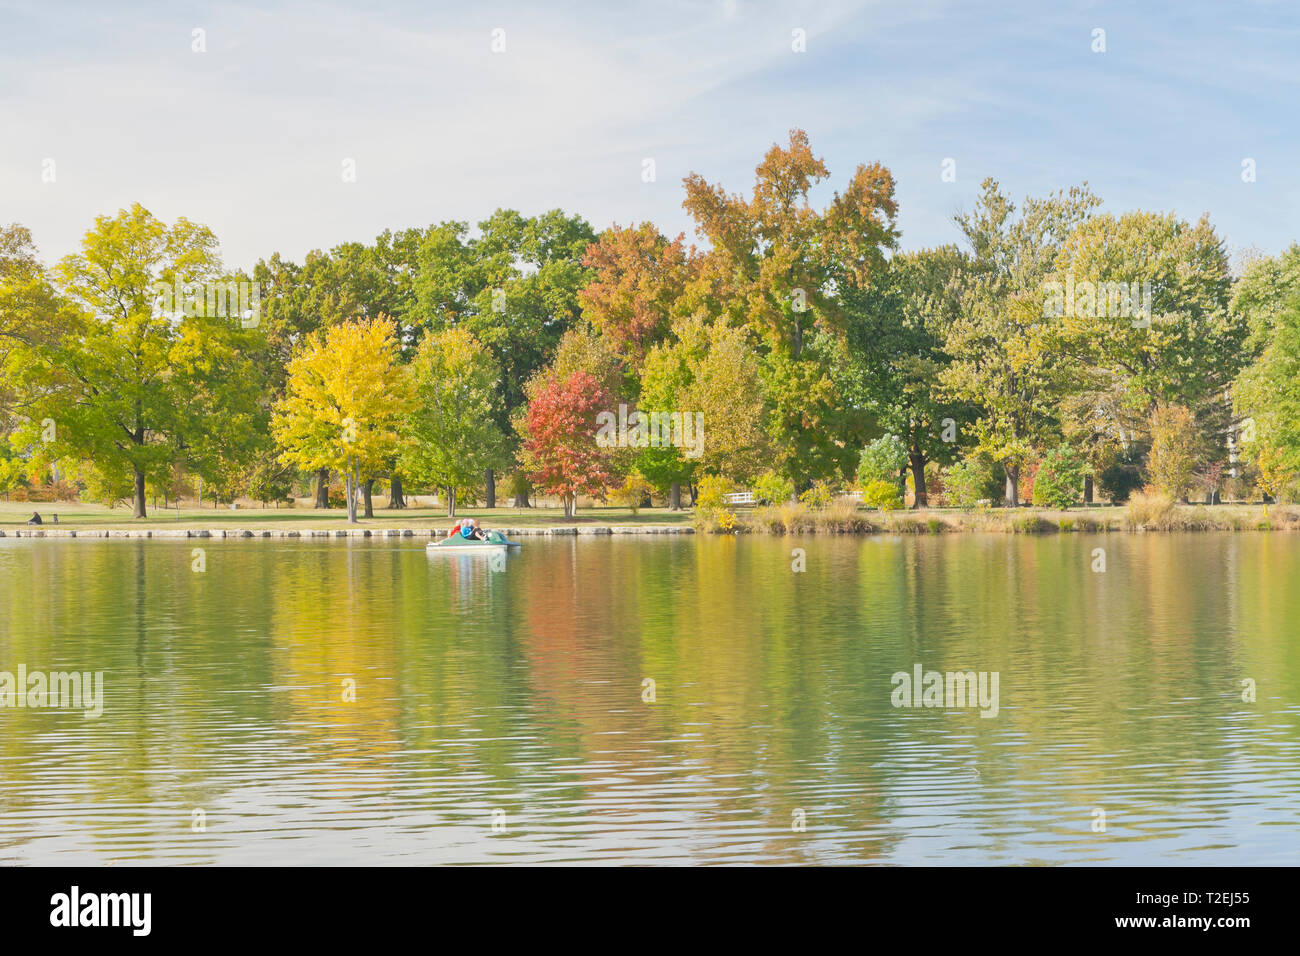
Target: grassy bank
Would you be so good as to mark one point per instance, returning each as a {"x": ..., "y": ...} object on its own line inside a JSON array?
[{"x": 1142, "y": 514}]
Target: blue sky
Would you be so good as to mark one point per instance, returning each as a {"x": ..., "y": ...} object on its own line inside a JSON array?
[{"x": 250, "y": 136}]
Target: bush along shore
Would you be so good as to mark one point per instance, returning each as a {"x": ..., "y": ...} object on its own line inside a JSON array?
[{"x": 1142, "y": 513}]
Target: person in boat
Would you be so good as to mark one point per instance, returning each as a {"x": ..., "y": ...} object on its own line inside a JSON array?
[{"x": 469, "y": 530}]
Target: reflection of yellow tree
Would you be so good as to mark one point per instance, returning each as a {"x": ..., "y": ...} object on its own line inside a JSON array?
[{"x": 334, "y": 620}]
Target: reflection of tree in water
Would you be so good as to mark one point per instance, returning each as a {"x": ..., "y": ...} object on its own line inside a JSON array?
[
  {"x": 1119, "y": 689},
  {"x": 737, "y": 736},
  {"x": 334, "y": 620}
]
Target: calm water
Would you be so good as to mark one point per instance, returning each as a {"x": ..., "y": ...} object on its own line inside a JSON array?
[{"x": 521, "y": 692}]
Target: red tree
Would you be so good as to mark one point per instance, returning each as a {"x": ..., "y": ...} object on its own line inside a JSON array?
[{"x": 561, "y": 455}]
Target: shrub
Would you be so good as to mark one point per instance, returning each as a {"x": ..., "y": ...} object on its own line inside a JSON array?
[
  {"x": 1148, "y": 511},
  {"x": 907, "y": 524},
  {"x": 789, "y": 518},
  {"x": 882, "y": 494},
  {"x": 772, "y": 489},
  {"x": 967, "y": 481},
  {"x": 1059, "y": 481},
  {"x": 709, "y": 520},
  {"x": 710, "y": 490},
  {"x": 842, "y": 517},
  {"x": 632, "y": 492},
  {"x": 818, "y": 496},
  {"x": 882, "y": 460},
  {"x": 1031, "y": 524}
]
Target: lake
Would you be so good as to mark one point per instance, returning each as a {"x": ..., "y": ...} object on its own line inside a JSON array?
[{"x": 657, "y": 700}]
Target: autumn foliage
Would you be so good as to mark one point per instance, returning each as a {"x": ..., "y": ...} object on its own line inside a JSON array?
[{"x": 560, "y": 453}]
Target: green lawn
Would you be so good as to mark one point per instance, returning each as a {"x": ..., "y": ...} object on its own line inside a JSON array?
[{"x": 81, "y": 515}]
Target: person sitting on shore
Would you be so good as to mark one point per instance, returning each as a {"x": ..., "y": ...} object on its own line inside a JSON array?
[{"x": 35, "y": 518}]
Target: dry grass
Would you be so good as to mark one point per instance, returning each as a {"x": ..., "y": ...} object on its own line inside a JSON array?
[{"x": 1146, "y": 512}]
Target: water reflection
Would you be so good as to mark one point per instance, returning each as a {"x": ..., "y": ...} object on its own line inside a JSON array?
[{"x": 361, "y": 701}]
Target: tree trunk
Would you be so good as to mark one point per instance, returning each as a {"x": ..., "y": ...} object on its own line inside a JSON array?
[
  {"x": 1013, "y": 486},
  {"x": 139, "y": 493},
  {"x": 350, "y": 492},
  {"x": 1087, "y": 489},
  {"x": 675, "y": 496},
  {"x": 917, "y": 460},
  {"x": 490, "y": 480},
  {"x": 451, "y": 502},
  {"x": 323, "y": 488},
  {"x": 366, "y": 488},
  {"x": 570, "y": 505},
  {"x": 396, "y": 499}
]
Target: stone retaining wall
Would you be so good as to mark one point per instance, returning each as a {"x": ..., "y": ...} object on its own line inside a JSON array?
[{"x": 336, "y": 533}]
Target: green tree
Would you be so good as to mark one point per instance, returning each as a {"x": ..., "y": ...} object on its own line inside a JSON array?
[
  {"x": 1267, "y": 396},
  {"x": 1144, "y": 299},
  {"x": 894, "y": 359},
  {"x": 1059, "y": 479},
  {"x": 514, "y": 286},
  {"x": 883, "y": 459},
  {"x": 453, "y": 432},
  {"x": 1002, "y": 356},
  {"x": 125, "y": 382}
]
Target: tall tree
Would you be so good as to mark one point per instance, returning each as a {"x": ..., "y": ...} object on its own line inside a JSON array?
[
  {"x": 346, "y": 399},
  {"x": 453, "y": 432},
  {"x": 785, "y": 270},
  {"x": 560, "y": 452},
  {"x": 895, "y": 355},
  {"x": 1002, "y": 359},
  {"x": 639, "y": 286},
  {"x": 514, "y": 286},
  {"x": 788, "y": 263},
  {"x": 1148, "y": 305},
  {"x": 124, "y": 381},
  {"x": 1267, "y": 396}
]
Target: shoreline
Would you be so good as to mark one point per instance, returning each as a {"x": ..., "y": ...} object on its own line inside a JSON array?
[
  {"x": 916, "y": 527},
  {"x": 788, "y": 520},
  {"x": 245, "y": 533}
]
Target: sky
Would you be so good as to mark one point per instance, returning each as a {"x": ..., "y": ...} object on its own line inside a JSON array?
[{"x": 447, "y": 111}]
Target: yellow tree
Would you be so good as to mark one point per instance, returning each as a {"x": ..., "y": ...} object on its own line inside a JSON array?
[{"x": 344, "y": 402}]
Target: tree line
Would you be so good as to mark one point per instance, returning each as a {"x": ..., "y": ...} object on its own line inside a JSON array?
[{"x": 1053, "y": 351}]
